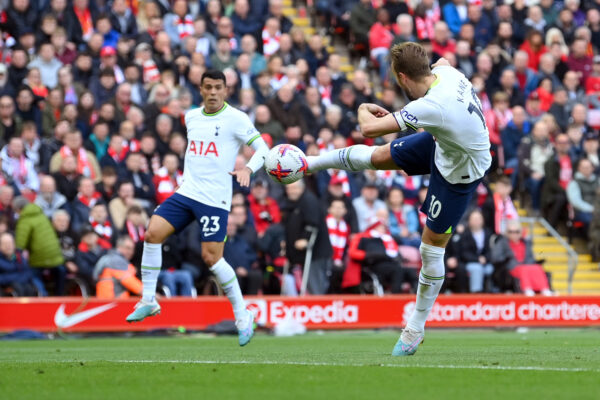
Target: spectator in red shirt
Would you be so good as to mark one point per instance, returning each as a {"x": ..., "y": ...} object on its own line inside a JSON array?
[
  {"x": 264, "y": 209},
  {"x": 168, "y": 178},
  {"x": 381, "y": 36},
  {"x": 442, "y": 42}
]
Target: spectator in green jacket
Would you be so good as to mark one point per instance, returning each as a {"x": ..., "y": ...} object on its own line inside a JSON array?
[{"x": 34, "y": 234}]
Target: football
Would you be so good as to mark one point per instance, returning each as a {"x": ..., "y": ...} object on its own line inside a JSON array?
[{"x": 285, "y": 163}]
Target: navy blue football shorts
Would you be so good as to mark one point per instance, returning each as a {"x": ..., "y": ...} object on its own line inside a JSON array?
[
  {"x": 445, "y": 203},
  {"x": 180, "y": 211}
]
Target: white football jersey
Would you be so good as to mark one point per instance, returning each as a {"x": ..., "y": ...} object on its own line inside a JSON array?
[
  {"x": 452, "y": 113},
  {"x": 214, "y": 141}
]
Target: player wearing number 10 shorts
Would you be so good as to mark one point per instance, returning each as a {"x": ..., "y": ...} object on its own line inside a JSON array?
[
  {"x": 452, "y": 145},
  {"x": 215, "y": 133}
]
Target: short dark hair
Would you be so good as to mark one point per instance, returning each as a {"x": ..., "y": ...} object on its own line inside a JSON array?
[
  {"x": 213, "y": 74},
  {"x": 410, "y": 59}
]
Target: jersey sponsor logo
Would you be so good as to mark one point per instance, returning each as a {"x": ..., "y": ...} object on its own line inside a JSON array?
[
  {"x": 408, "y": 117},
  {"x": 200, "y": 148}
]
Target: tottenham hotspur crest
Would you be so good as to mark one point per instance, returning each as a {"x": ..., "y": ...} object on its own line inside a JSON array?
[{"x": 217, "y": 130}]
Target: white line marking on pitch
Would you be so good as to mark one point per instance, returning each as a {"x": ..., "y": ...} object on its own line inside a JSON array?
[{"x": 324, "y": 364}]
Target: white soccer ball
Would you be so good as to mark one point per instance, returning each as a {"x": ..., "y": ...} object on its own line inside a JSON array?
[{"x": 285, "y": 163}]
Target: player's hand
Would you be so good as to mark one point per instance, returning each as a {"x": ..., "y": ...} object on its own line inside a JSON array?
[
  {"x": 374, "y": 109},
  {"x": 242, "y": 176},
  {"x": 441, "y": 62}
]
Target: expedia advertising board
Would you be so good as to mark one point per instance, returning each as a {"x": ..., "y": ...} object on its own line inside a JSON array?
[{"x": 74, "y": 314}]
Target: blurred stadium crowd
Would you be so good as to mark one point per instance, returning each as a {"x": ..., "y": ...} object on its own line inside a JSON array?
[{"x": 92, "y": 98}]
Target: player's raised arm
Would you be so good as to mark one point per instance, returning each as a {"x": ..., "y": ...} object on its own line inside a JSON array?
[{"x": 376, "y": 121}]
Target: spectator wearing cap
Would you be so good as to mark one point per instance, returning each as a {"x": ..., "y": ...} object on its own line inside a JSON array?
[
  {"x": 367, "y": 204},
  {"x": 582, "y": 192},
  {"x": 264, "y": 209},
  {"x": 108, "y": 60}
]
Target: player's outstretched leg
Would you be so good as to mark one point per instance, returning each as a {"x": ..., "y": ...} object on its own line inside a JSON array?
[
  {"x": 158, "y": 230},
  {"x": 244, "y": 319},
  {"x": 431, "y": 279},
  {"x": 353, "y": 158}
]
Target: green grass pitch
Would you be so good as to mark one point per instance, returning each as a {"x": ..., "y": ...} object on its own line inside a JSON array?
[{"x": 451, "y": 364}]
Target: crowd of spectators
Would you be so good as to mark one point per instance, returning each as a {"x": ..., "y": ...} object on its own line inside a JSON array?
[{"x": 92, "y": 138}]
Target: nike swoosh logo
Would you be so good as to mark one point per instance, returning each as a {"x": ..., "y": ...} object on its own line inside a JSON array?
[
  {"x": 209, "y": 234},
  {"x": 63, "y": 320}
]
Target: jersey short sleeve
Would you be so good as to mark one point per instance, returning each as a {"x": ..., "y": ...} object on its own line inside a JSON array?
[
  {"x": 246, "y": 132},
  {"x": 421, "y": 113}
]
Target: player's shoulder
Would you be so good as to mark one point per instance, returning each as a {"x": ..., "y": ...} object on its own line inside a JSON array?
[
  {"x": 194, "y": 113},
  {"x": 447, "y": 70},
  {"x": 231, "y": 110}
]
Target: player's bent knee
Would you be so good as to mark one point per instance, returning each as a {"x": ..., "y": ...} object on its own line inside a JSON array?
[{"x": 435, "y": 239}]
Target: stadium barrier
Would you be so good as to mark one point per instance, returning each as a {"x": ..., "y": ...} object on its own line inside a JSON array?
[{"x": 75, "y": 314}]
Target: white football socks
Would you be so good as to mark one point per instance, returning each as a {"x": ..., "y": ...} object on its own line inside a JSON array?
[
  {"x": 431, "y": 279},
  {"x": 353, "y": 158},
  {"x": 151, "y": 264},
  {"x": 226, "y": 277}
]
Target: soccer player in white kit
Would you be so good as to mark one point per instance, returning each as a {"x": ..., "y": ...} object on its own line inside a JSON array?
[
  {"x": 216, "y": 132},
  {"x": 454, "y": 149}
]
